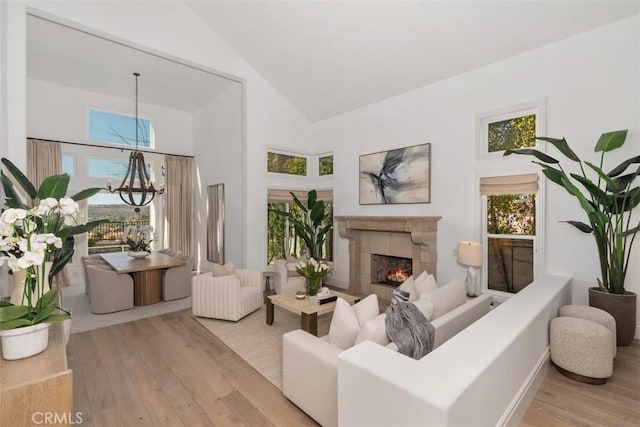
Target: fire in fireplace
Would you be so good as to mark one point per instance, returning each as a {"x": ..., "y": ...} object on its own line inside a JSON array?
[{"x": 390, "y": 270}]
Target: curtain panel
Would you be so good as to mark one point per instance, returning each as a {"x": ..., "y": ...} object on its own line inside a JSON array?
[
  {"x": 179, "y": 203},
  {"x": 44, "y": 158}
]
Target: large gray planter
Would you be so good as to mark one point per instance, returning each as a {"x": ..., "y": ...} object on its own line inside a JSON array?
[{"x": 622, "y": 307}]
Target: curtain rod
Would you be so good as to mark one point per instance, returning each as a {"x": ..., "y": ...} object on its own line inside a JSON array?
[{"x": 122, "y": 148}]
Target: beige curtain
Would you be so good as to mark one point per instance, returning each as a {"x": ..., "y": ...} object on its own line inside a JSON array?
[
  {"x": 44, "y": 158},
  {"x": 510, "y": 184},
  {"x": 179, "y": 203}
]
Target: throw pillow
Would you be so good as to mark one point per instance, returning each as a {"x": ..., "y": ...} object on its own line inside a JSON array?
[
  {"x": 447, "y": 298},
  {"x": 425, "y": 305},
  {"x": 223, "y": 270},
  {"x": 374, "y": 330},
  {"x": 418, "y": 285},
  {"x": 424, "y": 284},
  {"x": 347, "y": 320}
]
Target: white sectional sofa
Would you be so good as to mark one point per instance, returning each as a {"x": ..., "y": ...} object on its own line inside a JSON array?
[{"x": 310, "y": 364}]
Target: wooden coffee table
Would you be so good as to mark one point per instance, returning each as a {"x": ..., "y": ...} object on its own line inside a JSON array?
[{"x": 307, "y": 308}]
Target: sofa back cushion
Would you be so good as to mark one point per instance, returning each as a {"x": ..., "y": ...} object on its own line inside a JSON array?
[
  {"x": 348, "y": 319},
  {"x": 446, "y": 298}
]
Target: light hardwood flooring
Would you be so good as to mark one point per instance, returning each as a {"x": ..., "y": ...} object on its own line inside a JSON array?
[
  {"x": 561, "y": 401},
  {"x": 169, "y": 370}
]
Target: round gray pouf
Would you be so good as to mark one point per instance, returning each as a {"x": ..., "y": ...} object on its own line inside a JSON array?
[
  {"x": 581, "y": 349},
  {"x": 595, "y": 315}
]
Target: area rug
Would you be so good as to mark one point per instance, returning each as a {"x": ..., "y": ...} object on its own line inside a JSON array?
[
  {"x": 260, "y": 344},
  {"x": 74, "y": 299}
]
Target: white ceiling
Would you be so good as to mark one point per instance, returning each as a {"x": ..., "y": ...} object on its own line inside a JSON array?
[
  {"x": 329, "y": 57},
  {"x": 84, "y": 61},
  {"x": 325, "y": 57}
]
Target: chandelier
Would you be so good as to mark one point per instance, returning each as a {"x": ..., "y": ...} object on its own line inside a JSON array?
[{"x": 136, "y": 188}]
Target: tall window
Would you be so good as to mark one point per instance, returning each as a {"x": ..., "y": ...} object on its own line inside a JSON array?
[
  {"x": 282, "y": 241},
  {"x": 510, "y": 211}
]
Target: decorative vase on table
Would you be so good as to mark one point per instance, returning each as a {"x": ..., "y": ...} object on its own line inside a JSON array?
[
  {"x": 313, "y": 285},
  {"x": 138, "y": 254}
]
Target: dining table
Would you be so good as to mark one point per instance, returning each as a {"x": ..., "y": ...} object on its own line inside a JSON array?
[{"x": 146, "y": 273}]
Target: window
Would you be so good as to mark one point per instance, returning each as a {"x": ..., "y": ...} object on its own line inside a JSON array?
[
  {"x": 325, "y": 165},
  {"x": 514, "y": 127},
  {"x": 113, "y": 128},
  {"x": 286, "y": 164},
  {"x": 106, "y": 237},
  {"x": 68, "y": 164},
  {"x": 109, "y": 168},
  {"x": 281, "y": 237},
  {"x": 518, "y": 132},
  {"x": 510, "y": 230}
]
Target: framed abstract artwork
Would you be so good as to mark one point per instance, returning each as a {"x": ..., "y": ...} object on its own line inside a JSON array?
[{"x": 401, "y": 175}]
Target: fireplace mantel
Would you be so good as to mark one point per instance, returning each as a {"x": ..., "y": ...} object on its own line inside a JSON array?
[{"x": 413, "y": 237}]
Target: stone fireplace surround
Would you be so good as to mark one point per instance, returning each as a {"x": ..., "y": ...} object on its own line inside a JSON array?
[{"x": 412, "y": 237}]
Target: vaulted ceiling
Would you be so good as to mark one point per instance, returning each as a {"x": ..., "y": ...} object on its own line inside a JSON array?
[
  {"x": 329, "y": 57},
  {"x": 325, "y": 57}
]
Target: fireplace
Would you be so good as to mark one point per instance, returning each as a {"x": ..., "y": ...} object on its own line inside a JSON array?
[
  {"x": 390, "y": 270},
  {"x": 414, "y": 238}
]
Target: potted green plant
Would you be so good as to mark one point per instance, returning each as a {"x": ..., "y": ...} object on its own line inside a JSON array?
[
  {"x": 608, "y": 199},
  {"x": 315, "y": 225},
  {"x": 36, "y": 241}
]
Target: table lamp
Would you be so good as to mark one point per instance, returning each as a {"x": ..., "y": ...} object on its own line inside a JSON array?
[{"x": 470, "y": 254}]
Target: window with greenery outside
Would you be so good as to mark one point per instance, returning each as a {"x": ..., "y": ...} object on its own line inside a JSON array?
[
  {"x": 518, "y": 132},
  {"x": 325, "y": 165},
  {"x": 287, "y": 164}
]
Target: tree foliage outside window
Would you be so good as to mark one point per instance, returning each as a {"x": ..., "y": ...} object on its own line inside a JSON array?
[
  {"x": 281, "y": 236},
  {"x": 326, "y": 165},
  {"x": 518, "y": 132},
  {"x": 511, "y": 214},
  {"x": 510, "y": 259},
  {"x": 284, "y": 163}
]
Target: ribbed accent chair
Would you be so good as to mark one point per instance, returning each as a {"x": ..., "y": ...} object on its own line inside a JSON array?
[
  {"x": 227, "y": 297},
  {"x": 176, "y": 281}
]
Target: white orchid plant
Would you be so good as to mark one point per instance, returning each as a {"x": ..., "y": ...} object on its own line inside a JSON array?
[
  {"x": 313, "y": 269},
  {"x": 32, "y": 234},
  {"x": 138, "y": 237}
]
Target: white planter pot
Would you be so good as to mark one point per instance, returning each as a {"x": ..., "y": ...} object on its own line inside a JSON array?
[{"x": 24, "y": 342}]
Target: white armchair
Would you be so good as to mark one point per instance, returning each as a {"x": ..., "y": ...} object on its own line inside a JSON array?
[
  {"x": 227, "y": 297},
  {"x": 287, "y": 282}
]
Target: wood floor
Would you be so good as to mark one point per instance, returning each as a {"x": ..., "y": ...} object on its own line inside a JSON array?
[
  {"x": 561, "y": 401},
  {"x": 168, "y": 370}
]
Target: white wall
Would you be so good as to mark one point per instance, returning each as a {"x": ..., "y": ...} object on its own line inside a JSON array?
[
  {"x": 60, "y": 113},
  {"x": 219, "y": 152},
  {"x": 591, "y": 86}
]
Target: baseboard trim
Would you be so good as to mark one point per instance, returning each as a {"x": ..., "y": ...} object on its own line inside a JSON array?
[{"x": 521, "y": 401}]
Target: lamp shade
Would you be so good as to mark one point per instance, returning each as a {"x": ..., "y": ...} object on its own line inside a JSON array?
[{"x": 470, "y": 253}]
